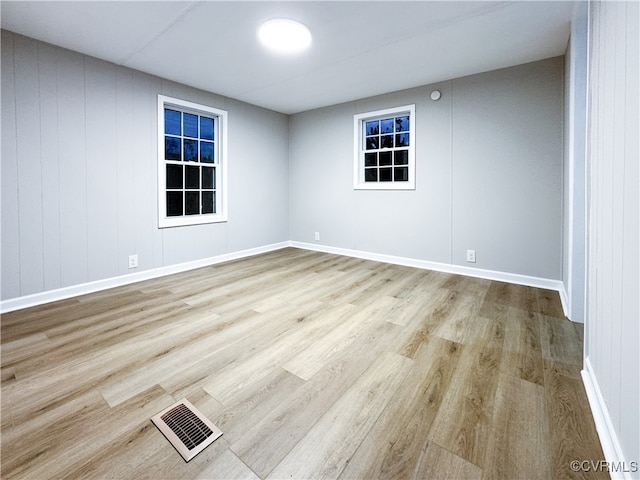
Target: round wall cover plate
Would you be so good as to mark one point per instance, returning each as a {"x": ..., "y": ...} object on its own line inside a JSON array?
[{"x": 435, "y": 95}]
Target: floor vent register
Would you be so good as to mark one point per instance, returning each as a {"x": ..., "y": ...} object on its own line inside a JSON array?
[{"x": 188, "y": 430}]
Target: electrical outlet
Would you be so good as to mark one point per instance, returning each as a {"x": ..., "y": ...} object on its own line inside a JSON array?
[
  {"x": 471, "y": 256},
  {"x": 317, "y": 237},
  {"x": 133, "y": 261}
]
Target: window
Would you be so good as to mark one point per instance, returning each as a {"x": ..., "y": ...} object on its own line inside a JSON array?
[
  {"x": 191, "y": 163},
  {"x": 385, "y": 149}
]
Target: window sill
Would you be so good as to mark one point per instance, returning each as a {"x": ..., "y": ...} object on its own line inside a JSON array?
[
  {"x": 381, "y": 186},
  {"x": 196, "y": 220}
]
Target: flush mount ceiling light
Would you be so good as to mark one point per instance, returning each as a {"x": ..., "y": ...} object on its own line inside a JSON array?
[{"x": 284, "y": 36}]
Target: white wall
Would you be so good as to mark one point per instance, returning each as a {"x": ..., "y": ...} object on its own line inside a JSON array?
[
  {"x": 574, "y": 234},
  {"x": 612, "y": 364},
  {"x": 79, "y": 182},
  {"x": 489, "y": 166}
]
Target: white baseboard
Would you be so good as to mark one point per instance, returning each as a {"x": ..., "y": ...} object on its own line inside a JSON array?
[
  {"x": 440, "y": 267},
  {"x": 604, "y": 426},
  {"x": 82, "y": 289},
  {"x": 90, "y": 287},
  {"x": 564, "y": 299}
]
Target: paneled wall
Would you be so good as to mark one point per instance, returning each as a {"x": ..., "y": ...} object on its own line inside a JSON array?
[
  {"x": 79, "y": 167},
  {"x": 613, "y": 308},
  {"x": 79, "y": 182},
  {"x": 489, "y": 166}
]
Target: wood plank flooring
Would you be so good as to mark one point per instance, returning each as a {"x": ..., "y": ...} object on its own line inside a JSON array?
[{"x": 313, "y": 365}]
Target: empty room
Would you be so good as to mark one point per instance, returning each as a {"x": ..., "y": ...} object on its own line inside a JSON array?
[{"x": 300, "y": 240}]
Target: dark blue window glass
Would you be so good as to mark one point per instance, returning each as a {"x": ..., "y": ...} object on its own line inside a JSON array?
[
  {"x": 386, "y": 125},
  {"x": 208, "y": 202},
  {"x": 385, "y": 174},
  {"x": 385, "y": 158},
  {"x": 385, "y": 153},
  {"x": 371, "y": 175},
  {"x": 402, "y": 140},
  {"x": 208, "y": 177},
  {"x": 401, "y": 174},
  {"x": 172, "y": 122},
  {"x": 172, "y": 148},
  {"x": 401, "y": 157},
  {"x": 190, "y": 188},
  {"x": 402, "y": 124},
  {"x": 373, "y": 128},
  {"x": 206, "y": 152},
  {"x": 370, "y": 159},
  {"x": 190, "y": 150},
  {"x": 190, "y": 125},
  {"x": 206, "y": 128},
  {"x": 174, "y": 176},
  {"x": 174, "y": 204},
  {"x": 192, "y": 177},
  {"x": 192, "y": 203}
]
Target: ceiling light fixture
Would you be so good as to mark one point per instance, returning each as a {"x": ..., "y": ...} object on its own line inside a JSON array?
[{"x": 284, "y": 36}]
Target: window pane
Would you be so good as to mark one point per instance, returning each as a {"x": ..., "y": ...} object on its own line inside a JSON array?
[
  {"x": 174, "y": 176},
  {"x": 192, "y": 203},
  {"x": 401, "y": 157},
  {"x": 401, "y": 174},
  {"x": 385, "y": 175},
  {"x": 385, "y": 144},
  {"x": 402, "y": 140},
  {"x": 192, "y": 177},
  {"x": 190, "y": 150},
  {"x": 370, "y": 159},
  {"x": 172, "y": 122},
  {"x": 208, "y": 177},
  {"x": 172, "y": 148},
  {"x": 386, "y": 125},
  {"x": 208, "y": 205},
  {"x": 402, "y": 124},
  {"x": 190, "y": 125},
  {"x": 373, "y": 128},
  {"x": 206, "y": 152},
  {"x": 174, "y": 204},
  {"x": 372, "y": 143},
  {"x": 371, "y": 175},
  {"x": 206, "y": 128},
  {"x": 192, "y": 162}
]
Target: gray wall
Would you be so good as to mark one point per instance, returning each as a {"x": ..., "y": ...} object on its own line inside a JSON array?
[
  {"x": 574, "y": 234},
  {"x": 79, "y": 165},
  {"x": 79, "y": 182},
  {"x": 613, "y": 307},
  {"x": 489, "y": 166}
]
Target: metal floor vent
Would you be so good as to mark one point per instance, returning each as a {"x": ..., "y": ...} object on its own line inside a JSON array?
[{"x": 188, "y": 430}]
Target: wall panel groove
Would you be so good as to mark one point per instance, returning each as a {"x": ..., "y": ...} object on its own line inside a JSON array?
[
  {"x": 613, "y": 309},
  {"x": 79, "y": 172}
]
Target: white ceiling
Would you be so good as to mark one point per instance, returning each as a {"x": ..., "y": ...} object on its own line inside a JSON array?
[{"x": 359, "y": 49}]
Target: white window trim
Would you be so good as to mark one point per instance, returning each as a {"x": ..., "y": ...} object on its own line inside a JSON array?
[
  {"x": 358, "y": 143},
  {"x": 221, "y": 170}
]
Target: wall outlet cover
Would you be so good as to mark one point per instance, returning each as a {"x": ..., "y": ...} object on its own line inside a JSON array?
[{"x": 133, "y": 261}]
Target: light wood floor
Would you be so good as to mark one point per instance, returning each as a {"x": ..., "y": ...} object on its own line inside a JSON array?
[{"x": 313, "y": 365}]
